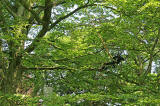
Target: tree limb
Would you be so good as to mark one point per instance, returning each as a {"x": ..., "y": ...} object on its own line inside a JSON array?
[
  {"x": 69, "y": 14},
  {"x": 47, "y": 68},
  {"x": 45, "y": 27},
  {"x": 32, "y": 11},
  {"x": 151, "y": 54},
  {"x": 9, "y": 8},
  {"x": 155, "y": 54},
  {"x": 46, "y": 19}
]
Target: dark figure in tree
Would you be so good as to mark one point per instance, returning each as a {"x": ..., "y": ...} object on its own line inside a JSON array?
[{"x": 116, "y": 60}]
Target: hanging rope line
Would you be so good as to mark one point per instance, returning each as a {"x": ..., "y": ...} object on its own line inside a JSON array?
[{"x": 105, "y": 47}]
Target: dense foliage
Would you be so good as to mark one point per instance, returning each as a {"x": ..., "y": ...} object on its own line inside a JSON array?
[{"x": 79, "y": 52}]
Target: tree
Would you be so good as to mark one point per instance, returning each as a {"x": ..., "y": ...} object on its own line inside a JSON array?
[
  {"x": 63, "y": 44},
  {"x": 18, "y": 18}
]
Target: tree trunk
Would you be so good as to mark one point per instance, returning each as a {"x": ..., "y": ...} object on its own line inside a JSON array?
[{"x": 12, "y": 78}]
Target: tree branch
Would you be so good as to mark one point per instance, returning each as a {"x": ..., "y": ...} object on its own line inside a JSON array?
[
  {"x": 48, "y": 68},
  {"x": 155, "y": 54},
  {"x": 151, "y": 54},
  {"x": 9, "y": 8},
  {"x": 32, "y": 11},
  {"x": 69, "y": 14},
  {"x": 53, "y": 3},
  {"x": 45, "y": 27},
  {"x": 46, "y": 19},
  {"x": 59, "y": 3}
]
